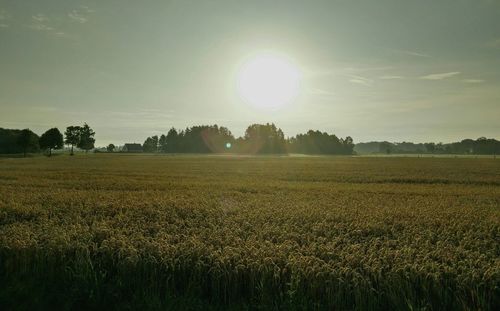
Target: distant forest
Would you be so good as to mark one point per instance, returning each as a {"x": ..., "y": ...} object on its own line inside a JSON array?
[
  {"x": 481, "y": 145},
  {"x": 258, "y": 139}
]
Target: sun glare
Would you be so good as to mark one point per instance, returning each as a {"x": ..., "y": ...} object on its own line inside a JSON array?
[{"x": 268, "y": 81}]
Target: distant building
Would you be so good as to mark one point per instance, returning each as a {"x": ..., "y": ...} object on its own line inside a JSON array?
[{"x": 132, "y": 148}]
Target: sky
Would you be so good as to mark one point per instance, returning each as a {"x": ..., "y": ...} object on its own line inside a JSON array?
[{"x": 391, "y": 70}]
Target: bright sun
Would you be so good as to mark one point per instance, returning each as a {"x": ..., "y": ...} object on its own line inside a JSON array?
[{"x": 268, "y": 81}]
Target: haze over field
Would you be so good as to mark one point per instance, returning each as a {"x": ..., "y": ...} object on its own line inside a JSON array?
[
  {"x": 375, "y": 70},
  {"x": 249, "y": 155}
]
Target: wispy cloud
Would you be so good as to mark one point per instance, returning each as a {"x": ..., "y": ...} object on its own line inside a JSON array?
[
  {"x": 80, "y": 15},
  {"x": 41, "y": 18},
  {"x": 495, "y": 43},
  {"x": 361, "y": 80},
  {"x": 320, "y": 92},
  {"x": 41, "y": 27},
  {"x": 391, "y": 77},
  {"x": 39, "y": 22},
  {"x": 412, "y": 53},
  {"x": 367, "y": 68},
  {"x": 440, "y": 76},
  {"x": 141, "y": 117},
  {"x": 342, "y": 70},
  {"x": 77, "y": 17},
  {"x": 473, "y": 81},
  {"x": 86, "y": 9},
  {"x": 44, "y": 108},
  {"x": 4, "y": 16}
]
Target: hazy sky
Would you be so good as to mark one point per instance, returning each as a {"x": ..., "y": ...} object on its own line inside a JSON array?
[{"x": 376, "y": 70}]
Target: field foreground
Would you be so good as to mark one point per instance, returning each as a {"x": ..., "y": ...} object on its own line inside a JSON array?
[{"x": 189, "y": 232}]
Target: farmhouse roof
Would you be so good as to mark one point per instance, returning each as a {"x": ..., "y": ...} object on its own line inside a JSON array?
[{"x": 133, "y": 147}]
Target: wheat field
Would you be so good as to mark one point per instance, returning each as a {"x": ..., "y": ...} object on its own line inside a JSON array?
[{"x": 234, "y": 232}]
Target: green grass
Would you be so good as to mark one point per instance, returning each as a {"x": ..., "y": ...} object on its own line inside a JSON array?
[{"x": 201, "y": 232}]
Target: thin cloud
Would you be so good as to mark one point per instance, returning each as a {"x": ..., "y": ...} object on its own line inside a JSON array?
[
  {"x": 80, "y": 15},
  {"x": 3, "y": 18},
  {"x": 495, "y": 43},
  {"x": 45, "y": 108},
  {"x": 361, "y": 80},
  {"x": 77, "y": 17},
  {"x": 311, "y": 72},
  {"x": 415, "y": 54},
  {"x": 474, "y": 81},
  {"x": 39, "y": 23},
  {"x": 3, "y": 15},
  {"x": 440, "y": 76},
  {"x": 40, "y": 27},
  {"x": 41, "y": 18},
  {"x": 142, "y": 116},
  {"x": 363, "y": 69},
  {"x": 391, "y": 77},
  {"x": 320, "y": 92},
  {"x": 86, "y": 9},
  {"x": 320, "y": 72},
  {"x": 412, "y": 53}
]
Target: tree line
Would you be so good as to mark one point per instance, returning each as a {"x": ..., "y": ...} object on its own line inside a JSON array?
[
  {"x": 482, "y": 145},
  {"x": 258, "y": 139},
  {"x": 25, "y": 141}
]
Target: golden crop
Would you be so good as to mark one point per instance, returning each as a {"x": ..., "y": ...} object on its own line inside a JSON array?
[{"x": 146, "y": 231}]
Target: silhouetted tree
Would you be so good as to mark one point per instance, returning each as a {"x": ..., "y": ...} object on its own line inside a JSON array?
[
  {"x": 205, "y": 139},
  {"x": 155, "y": 142},
  {"x": 264, "y": 138},
  {"x": 385, "y": 147},
  {"x": 467, "y": 145},
  {"x": 27, "y": 140},
  {"x": 150, "y": 144},
  {"x": 51, "y": 139},
  {"x": 110, "y": 148},
  {"x": 486, "y": 146},
  {"x": 162, "y": 143},
  {"x": 72, "y": 136},
  {"x": 348, "y": 145},
  {"x": 172, "y": 141},
  {"x": 87, "y": 139},
  {"x": 11, "y": 142},
  {"x": 316, "y": 142}
]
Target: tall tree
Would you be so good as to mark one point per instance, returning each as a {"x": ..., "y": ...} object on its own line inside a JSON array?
[
  {"x": 150, "y": 144},
  {"x": 348, "y": 144},
  {"x": 72, "y": 136},
  {"x": 110, "y": 148},
  {"x": 51, "y": 139},
  {"x": 385, "y": 147},
  {"x": 27, "y": 140},
  {"x": 87, "y": 139},
  {"x": 162, "y": 143},
  {"x": 155, "y": 143},
  {"x": 317, "y": 142},
  {"x": 264, "y": 138},
  {"x": 172, "y": 141},
  {"x": 10, "y": 142}
]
